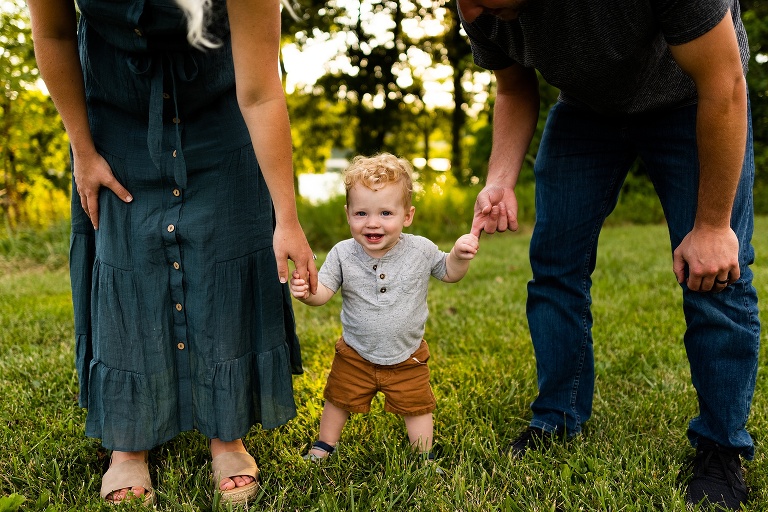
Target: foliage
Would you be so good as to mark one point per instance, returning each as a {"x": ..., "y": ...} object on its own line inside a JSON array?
[
  {"x": 317, "y": 127},
  {"x": 631, "y": 457},
  {"x": 373, "y": 97},
  {"x": 34, "y": 181},
  {"x": 324, "y": 223},
  {"x": 11, "y": 503},
  {"x": 28, "y": 246},
  {"x": 381, "y": 71},
  {"x": 755, "y": 16}
]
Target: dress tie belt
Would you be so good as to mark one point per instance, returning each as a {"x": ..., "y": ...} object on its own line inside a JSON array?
[{"x": 182, "y": 67}]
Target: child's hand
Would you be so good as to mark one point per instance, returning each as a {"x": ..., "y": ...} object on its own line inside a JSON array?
[
  {"x": 299, "y": 287},
  {"x": 466, "y": 247}
]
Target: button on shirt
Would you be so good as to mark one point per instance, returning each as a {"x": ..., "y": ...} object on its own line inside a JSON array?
[{"x": 384, "y": 301}]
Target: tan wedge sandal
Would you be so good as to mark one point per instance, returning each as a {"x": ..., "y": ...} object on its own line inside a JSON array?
[
  {"x": 128, "y": 474},
  {"x": 231, "y": 464}
]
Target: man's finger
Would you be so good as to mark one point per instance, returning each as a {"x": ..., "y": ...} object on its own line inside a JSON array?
[
  {"x": 678, "y": 267},
  {"x": 502, "y": 222},
  {"x": 478, "y": 223}
]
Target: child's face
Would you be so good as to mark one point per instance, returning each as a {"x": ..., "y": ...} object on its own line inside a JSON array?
[{"x": 377, "y": 217}]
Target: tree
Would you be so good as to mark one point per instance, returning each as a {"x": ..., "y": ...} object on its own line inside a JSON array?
[
  {"x": 17, "y": 71},
  {"x": 34, "y": 181},
  {"x": 378, "y": 71},
  {"x": 755, "y": 16}
]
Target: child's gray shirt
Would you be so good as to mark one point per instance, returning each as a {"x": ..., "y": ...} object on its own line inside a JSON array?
[{"x": 384, "y": 301}]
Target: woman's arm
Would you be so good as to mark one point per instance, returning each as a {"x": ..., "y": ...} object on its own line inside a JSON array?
[
  {"x": 54, "y": 32},
  {"x": 255, "y": 29}
]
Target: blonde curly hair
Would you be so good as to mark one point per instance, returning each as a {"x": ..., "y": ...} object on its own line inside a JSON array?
[{"x": 376, "y": 171}]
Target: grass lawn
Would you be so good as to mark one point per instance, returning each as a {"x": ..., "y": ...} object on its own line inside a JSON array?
[{"x": 629, "y": 457}]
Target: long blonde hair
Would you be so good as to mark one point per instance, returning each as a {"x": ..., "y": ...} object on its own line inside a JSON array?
[{"x": 196, "y": 12}]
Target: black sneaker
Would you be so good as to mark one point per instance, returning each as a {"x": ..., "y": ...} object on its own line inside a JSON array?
[
  {"x": 718, "y": 479},
  {"x": 534, "y": 438}
]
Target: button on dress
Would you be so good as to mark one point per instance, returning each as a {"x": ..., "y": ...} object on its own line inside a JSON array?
[{"x": 181, "y": 322}]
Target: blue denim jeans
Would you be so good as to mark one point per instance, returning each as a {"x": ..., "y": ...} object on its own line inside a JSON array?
[{"x": 582, "y": 162}]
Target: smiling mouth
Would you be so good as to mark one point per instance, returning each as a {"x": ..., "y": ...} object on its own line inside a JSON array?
[{"x": 373, "y": 237}]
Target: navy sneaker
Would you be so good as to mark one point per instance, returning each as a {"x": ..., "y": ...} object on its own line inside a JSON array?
[
  {"x": 718, "y": 480},
  {"x": 534, "y": 438}
]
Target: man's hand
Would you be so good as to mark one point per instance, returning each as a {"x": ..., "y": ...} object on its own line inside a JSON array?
[
  {"x": 495, "y": 210},
  {"x": 712, "y": 258}
]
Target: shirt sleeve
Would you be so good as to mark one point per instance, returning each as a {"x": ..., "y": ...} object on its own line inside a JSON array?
[
  {"x": 433, "y": 254},
  {"x": 682, "y": 21},
  {"x": 485, "y": 52},
  {"x": 330, "y": 274}
]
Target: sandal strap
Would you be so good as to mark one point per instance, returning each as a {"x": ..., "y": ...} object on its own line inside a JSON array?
[
  {"x": 320, "y": 445},
  {"x": 127, "y": 474},
  {"x": 229, "y": 464}
]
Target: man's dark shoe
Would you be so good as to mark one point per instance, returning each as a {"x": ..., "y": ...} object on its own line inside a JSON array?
[
  {"x": 534, "y": 438},
  {"x": 718, "y": 479}
]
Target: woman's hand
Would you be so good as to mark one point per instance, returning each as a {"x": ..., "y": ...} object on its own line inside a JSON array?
[
  {"x": 290, "y": 243},
  {"x": 91, "y": 173}
]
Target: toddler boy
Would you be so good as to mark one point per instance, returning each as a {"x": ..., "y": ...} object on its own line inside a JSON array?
[{"x": 383, "y": 276}]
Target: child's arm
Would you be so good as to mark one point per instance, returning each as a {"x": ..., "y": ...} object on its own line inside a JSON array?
[
  {"x": 458, "y": 259},
  {"x": 300, "y": 290}
]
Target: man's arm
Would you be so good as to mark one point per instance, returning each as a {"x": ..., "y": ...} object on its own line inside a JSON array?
[
  {"x": 710, "y": 250},
  {"x": 515, "y": 114}
]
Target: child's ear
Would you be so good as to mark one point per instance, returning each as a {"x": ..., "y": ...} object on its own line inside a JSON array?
[
  {"x": 346, "y": 213},
  {"x": 409, "y": 216}
]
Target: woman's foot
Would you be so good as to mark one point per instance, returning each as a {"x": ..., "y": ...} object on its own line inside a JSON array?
[
  {"x": 217, "y": 448},
  {"x": 119, "y": 495}
]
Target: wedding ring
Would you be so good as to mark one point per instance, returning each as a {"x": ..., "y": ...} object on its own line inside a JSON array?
[{"x": 717, "y": 281}]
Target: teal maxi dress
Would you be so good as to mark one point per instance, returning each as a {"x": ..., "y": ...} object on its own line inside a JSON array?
[{"x": 181, "y": 322}]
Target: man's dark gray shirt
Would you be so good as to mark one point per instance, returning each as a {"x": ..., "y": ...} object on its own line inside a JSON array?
[{"x": 609, "y": 56}]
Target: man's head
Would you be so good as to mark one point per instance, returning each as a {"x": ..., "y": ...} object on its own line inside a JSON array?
[{"x": 504, "y": 9}]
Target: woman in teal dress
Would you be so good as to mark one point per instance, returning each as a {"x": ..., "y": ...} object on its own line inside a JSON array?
[{"x": 183, "y": 219}]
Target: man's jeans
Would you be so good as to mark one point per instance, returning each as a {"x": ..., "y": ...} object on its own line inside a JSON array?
[{"x": 581, "y": 165}]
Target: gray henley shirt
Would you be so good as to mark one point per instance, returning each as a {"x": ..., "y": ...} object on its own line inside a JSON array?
[{"x": 384, "y": 301}]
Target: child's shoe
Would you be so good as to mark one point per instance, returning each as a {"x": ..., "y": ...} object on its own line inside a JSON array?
[
  {"x": 430, "y": 463},
  {"x": 323, "y": 447}
]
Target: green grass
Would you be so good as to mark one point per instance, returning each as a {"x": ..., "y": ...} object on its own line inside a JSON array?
[{"x": 483, "y": 369}]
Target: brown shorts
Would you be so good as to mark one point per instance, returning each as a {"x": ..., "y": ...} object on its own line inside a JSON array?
[{"x": 354, "y": 381}]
